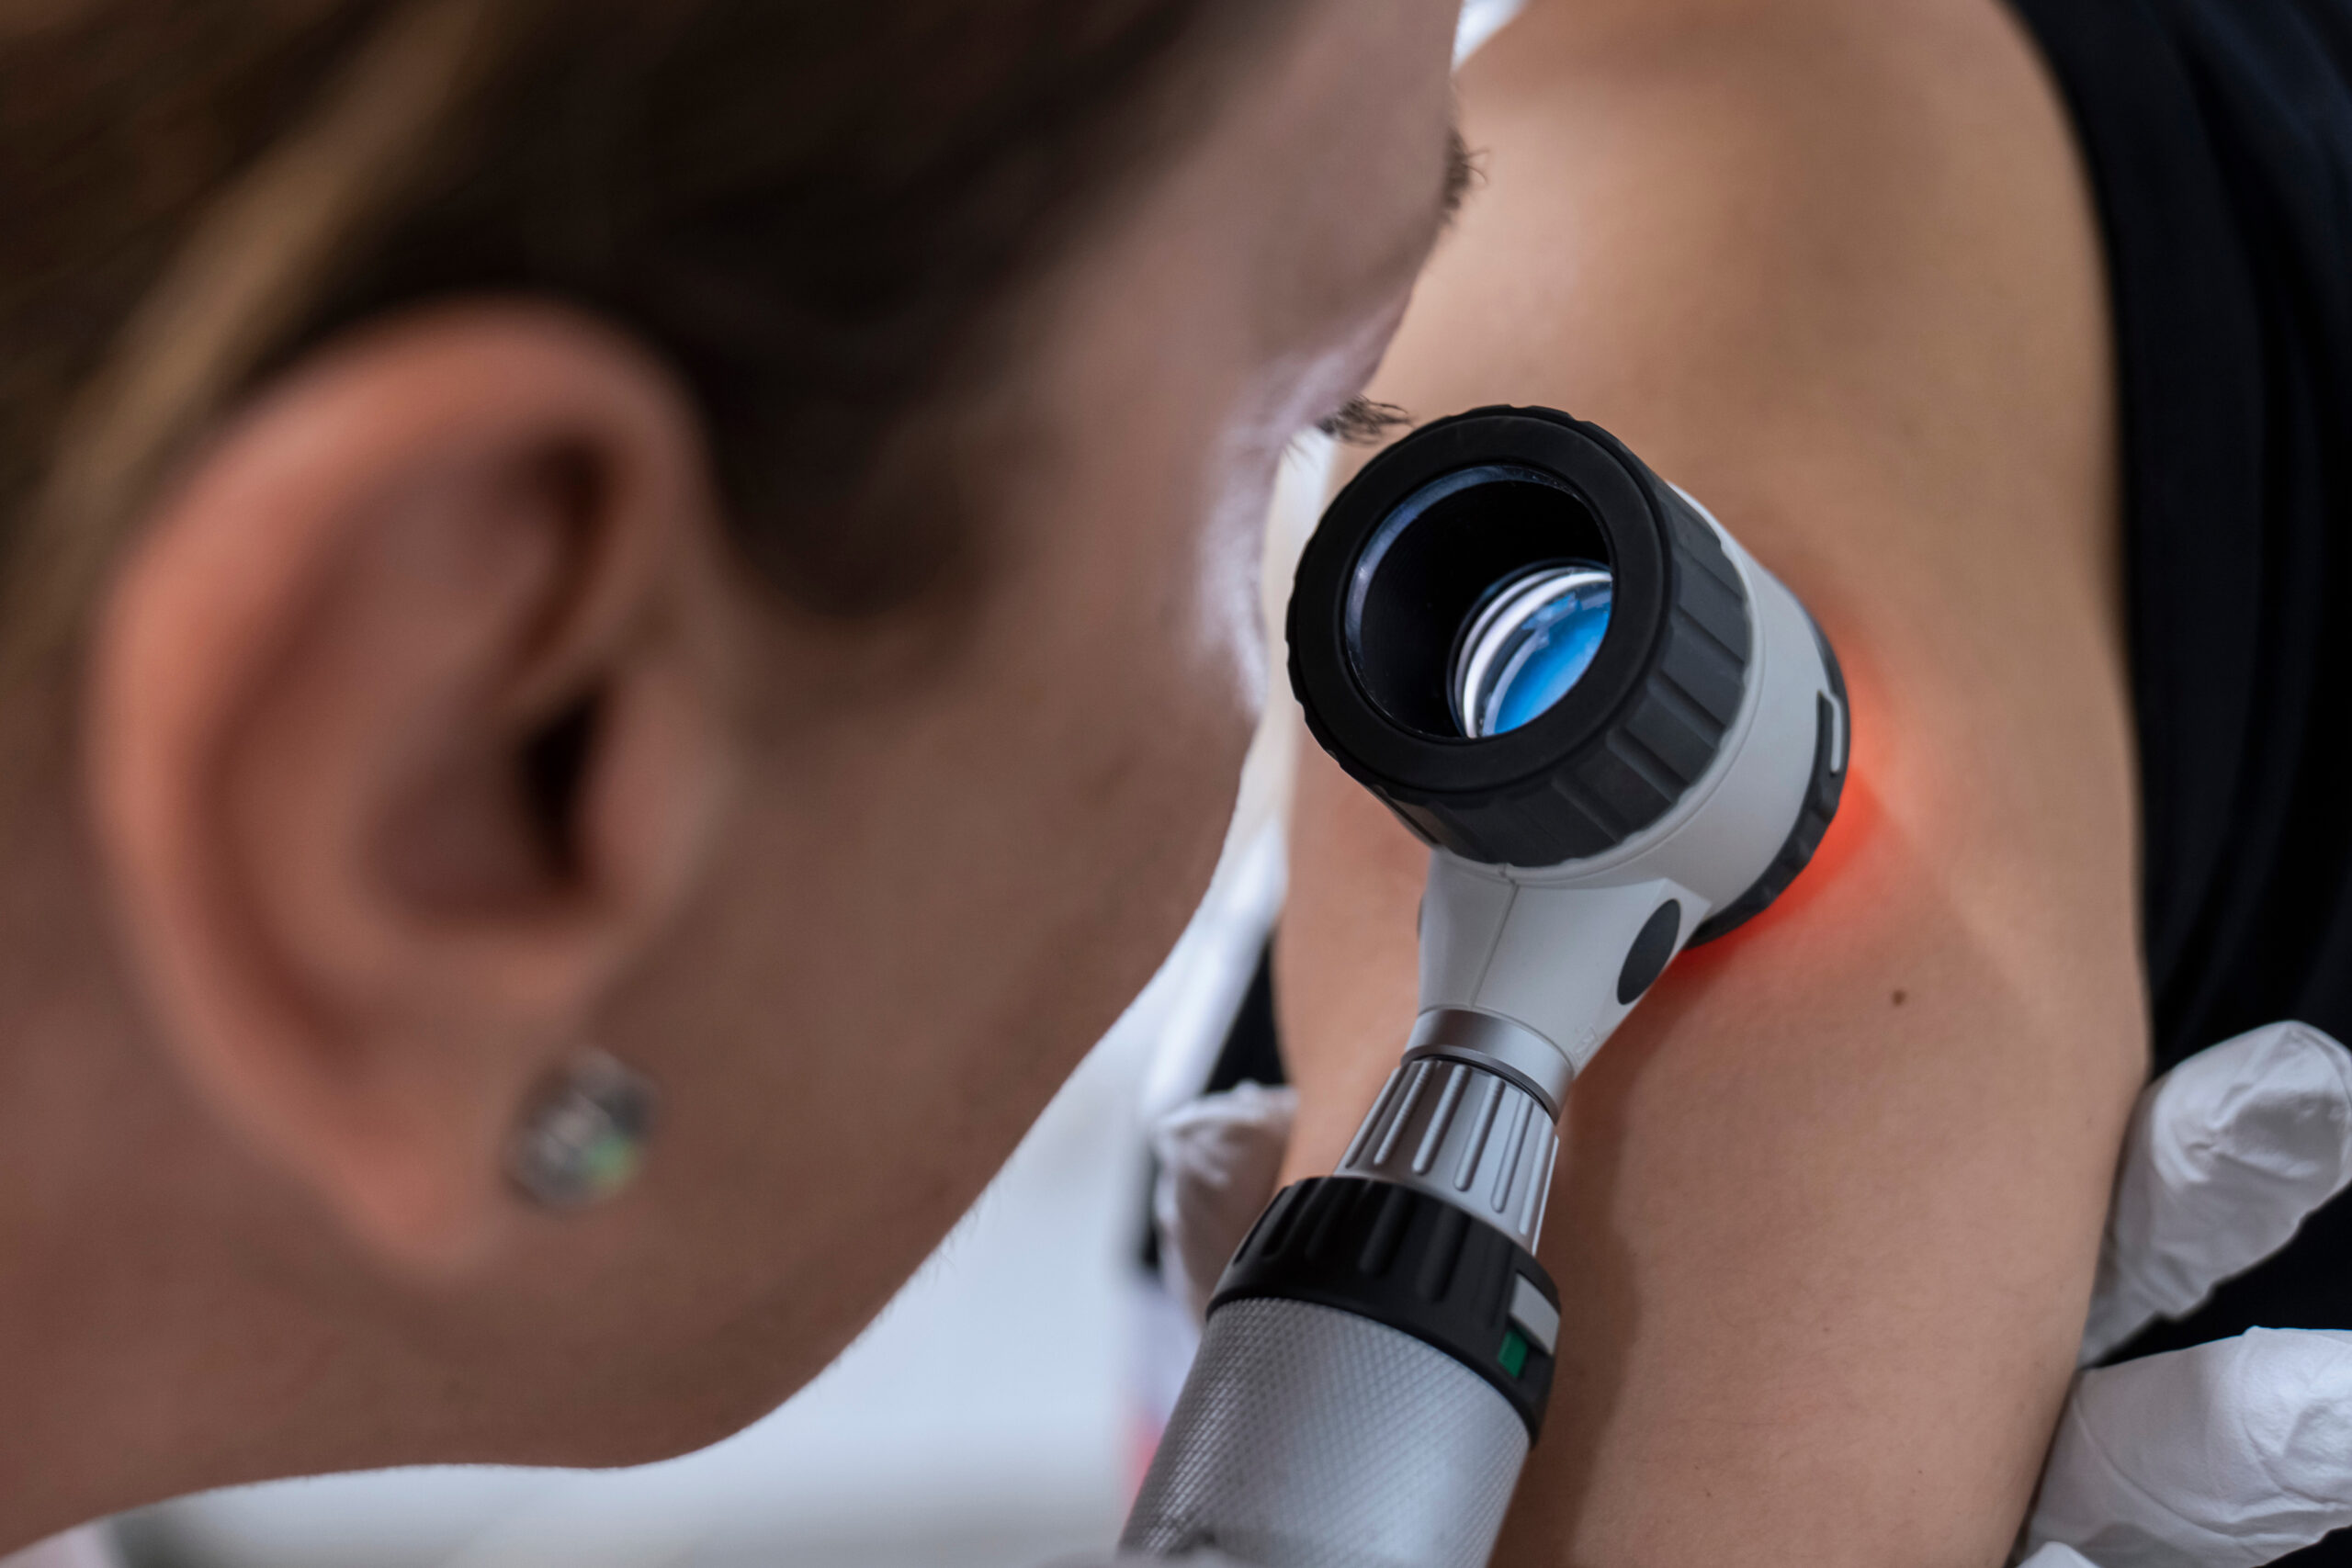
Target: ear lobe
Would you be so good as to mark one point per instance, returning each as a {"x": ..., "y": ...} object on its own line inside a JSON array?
[{"x": 403, "y": 738}]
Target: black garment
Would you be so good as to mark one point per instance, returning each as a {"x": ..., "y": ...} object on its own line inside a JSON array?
[
  {"x": 1252, "y": 1052},
  {"x": 2218, "y": 135},
  {"x": 2219, "y": 138}
]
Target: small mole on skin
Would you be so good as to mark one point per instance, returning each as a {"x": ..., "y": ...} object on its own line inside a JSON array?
[{"x": 1902, "y": 997}]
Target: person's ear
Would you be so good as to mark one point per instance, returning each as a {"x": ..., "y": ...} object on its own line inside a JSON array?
[{"x": 404, "y": 736}]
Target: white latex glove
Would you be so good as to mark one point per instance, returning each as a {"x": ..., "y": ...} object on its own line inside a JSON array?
[
  {"x": 1218, "y": 1157},
  {"x": 2222, "y": 1455},
  {"x": 2227, "y": 1154},
  {"x": 2236, "y": 1452},
  {"x": 2239, "y": 1451}
]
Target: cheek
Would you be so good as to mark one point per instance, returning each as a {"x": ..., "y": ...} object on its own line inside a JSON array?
[
  {"x": 916, "y": 930},
  {"x": 1122, "y": 724},
  {"x": 931, "y": 902},
  {"x": 1228, "y": 570},
  {"x": 1162, "y": 699}
]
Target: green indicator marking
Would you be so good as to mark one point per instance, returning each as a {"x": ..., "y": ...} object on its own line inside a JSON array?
[{"x": 1514, "y": 1352}]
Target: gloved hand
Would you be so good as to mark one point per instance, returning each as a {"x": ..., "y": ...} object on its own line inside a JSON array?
[
  {"x": 1218, "y": 1157},
  {"x": 2238, "y": 1451},
  {"x": 2232, "y": 1453}
]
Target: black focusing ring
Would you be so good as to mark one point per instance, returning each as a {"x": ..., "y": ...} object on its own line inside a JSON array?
[
  {"x": 1627, "y": 743},
  {"x": 1406, "y": 1260}
]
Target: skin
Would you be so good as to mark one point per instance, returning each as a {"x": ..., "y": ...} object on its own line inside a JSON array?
[
  {"x": 285, "y": 953},
  {"x": 1827, "y": 1215}
]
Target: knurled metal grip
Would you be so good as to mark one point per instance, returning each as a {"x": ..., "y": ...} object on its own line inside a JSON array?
[
  {"x": 1416, "y": 1263},
  {"x": 1390, "y": 574},
  {"x": 1310, "y": 1437},
  {"x": 1375, "y": 1366}
]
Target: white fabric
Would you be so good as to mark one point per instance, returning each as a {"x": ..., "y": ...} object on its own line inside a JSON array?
[
  {"x": 1481, "y": 19},
  {"x": 2226, "y": 1155},
  {"x": 2056, "y": 1556},
  {"x": 86, "y": 1548},
  {"x": 1217, "y": 956}
]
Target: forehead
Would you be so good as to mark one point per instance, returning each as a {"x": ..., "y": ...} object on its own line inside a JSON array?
[{"x": 1331, "y": 168}]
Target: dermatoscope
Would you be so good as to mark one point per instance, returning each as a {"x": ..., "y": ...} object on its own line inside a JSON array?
[{"x": 1619, "y": 736}]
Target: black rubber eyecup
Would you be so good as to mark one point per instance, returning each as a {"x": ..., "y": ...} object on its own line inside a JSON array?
[{"x": 1408, "y": 552}]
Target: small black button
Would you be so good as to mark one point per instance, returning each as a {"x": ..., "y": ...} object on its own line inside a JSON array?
[{"x": 1646, "y": 958}]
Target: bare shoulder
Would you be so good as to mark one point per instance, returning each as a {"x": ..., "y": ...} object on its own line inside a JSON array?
[
  {"x": 1830, "y": 1201},
  {"x": 1881, "y": 198},
  {"x": 1832, "y": 266}
]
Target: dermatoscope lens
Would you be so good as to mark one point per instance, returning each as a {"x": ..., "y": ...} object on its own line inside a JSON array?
[{"x": 1527, "y": 645}]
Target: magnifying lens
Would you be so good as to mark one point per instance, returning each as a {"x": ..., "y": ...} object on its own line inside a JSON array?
[{"x": 1533, "y": 638}]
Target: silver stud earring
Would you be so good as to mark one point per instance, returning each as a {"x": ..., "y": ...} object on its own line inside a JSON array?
[{"x": 584, "y": 1139}]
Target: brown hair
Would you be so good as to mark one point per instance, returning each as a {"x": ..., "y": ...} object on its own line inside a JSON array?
[{"x": 808, "y": 207}]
